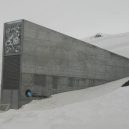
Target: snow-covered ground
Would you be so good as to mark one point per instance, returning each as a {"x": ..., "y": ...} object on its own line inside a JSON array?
[{"x": 102, "y": 107}]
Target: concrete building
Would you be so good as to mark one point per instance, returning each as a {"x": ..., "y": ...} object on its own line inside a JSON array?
[{"x": 39, "y": 62}]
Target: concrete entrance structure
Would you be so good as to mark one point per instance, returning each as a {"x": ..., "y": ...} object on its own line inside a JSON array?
[{"x": 39, "y": 62}]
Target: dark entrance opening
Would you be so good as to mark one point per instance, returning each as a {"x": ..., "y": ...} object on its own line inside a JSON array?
[{"x": 125, "y": 84}]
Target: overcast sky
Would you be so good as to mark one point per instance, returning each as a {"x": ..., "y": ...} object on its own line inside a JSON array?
[{"x": 77, "y": 18}]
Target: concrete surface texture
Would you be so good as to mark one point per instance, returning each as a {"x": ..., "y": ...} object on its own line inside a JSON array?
[{"x": 51, "y": 62}]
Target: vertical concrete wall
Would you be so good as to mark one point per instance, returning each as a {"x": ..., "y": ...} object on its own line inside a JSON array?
[
  {"x": 48, "y": 52},
  {"x": 69, "y": 63},
  {"x": 10, "y": 83}
]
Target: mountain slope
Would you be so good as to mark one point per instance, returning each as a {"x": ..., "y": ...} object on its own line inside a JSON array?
[{"x": 118, "y": 43}]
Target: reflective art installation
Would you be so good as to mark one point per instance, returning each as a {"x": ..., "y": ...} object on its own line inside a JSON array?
[{"x": 12, "y": 38}]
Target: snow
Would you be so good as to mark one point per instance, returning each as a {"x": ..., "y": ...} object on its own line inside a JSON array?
[
  {"x": 117, "y": 43},
  {"x": 101, "y": 107}
]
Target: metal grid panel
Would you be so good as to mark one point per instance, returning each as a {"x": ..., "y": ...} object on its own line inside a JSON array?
[{"x": 11, "y": 72}]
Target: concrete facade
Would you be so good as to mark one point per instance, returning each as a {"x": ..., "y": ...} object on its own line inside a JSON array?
[{"x": 49, "y": 62}]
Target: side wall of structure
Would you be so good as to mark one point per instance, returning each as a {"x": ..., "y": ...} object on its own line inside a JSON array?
[{"x": 53, "y": 63}]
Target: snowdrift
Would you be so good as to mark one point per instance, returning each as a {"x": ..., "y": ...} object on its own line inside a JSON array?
[{"x": 102, "y": 107}]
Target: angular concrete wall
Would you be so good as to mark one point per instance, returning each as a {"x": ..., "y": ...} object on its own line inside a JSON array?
[
  {"x": 68, "y": 63},
  {"x": 52, "y": 53},
  {"x": 52, "y": 62}
]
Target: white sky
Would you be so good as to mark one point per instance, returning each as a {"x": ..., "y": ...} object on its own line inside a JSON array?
[{"x": 77, "y": 18}]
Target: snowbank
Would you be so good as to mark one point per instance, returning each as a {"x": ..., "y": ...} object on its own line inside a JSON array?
[{"x": 101, "y": 107}]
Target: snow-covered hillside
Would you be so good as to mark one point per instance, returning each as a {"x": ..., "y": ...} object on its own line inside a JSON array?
[
  {"x": 101, "y": 107},
  {"x": 118, "y": 43}
]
